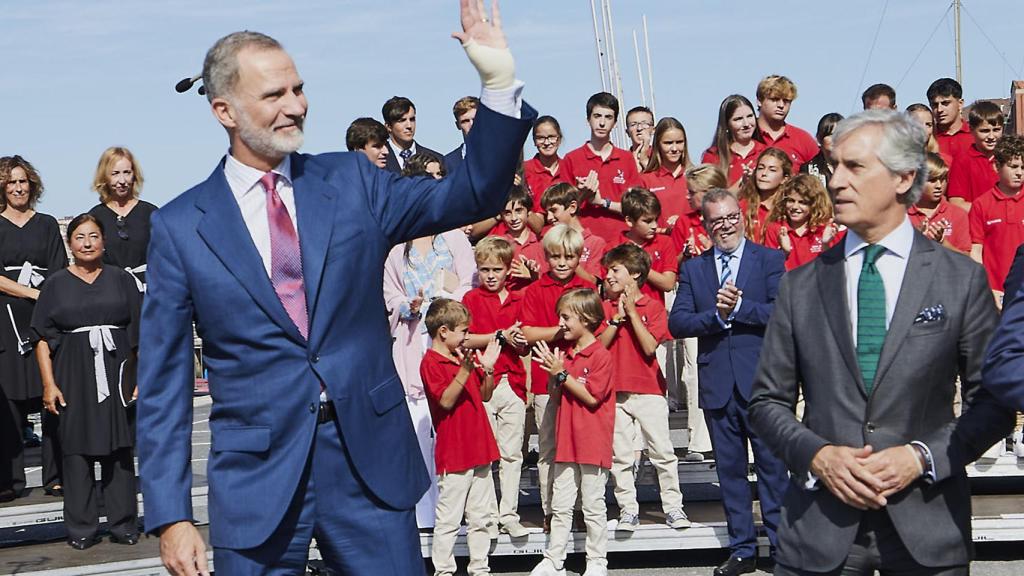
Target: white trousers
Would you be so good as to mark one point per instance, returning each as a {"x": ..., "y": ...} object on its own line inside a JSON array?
[
  {"x": 648, "y": 415},
  {"x": 463, "y": 494},
  {"x": 588, "y": 482},
  {"x": 507, "y": 413}
]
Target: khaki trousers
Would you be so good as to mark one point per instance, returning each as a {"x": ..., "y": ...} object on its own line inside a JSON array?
[
  {"x": 507, "y": 413},
  {"x": 700, "y": 438},
  {"x": 648, "y": 414},
  {"x": 545, "y": 413},
  {"x": 462, "y": 494},
  {"x": 588, "y": 482}
]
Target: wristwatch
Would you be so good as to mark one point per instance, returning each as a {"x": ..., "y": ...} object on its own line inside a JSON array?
[
  {"x": 607, "y": 204},
  {"x": 499, "y": 336},
  {"x": 617, "y": 321},
  {"x": 561, "y": 377}
]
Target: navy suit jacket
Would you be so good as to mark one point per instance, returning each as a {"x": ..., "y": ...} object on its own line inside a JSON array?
[
  {"x": 265, "y": 378},
  {"x": 453, "y": 159},
  {"x": 1003, "y": 373},
  {"x": 726, "y": 359}
]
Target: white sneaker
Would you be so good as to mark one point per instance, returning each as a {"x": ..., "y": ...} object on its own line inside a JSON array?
[
  {"x": 596, "y": 570},
  {"x": 1018, "y": 444},
  {"x": 515, "y": 530},
  {"x": 547, "y": 568},
  {"x": 627, "y": 522},
  {"x": 677, "y": 519}
]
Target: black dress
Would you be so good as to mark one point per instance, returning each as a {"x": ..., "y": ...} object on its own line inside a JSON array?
[
  {"x": 126, "y": 244},
  {"x": 66, "y": 303},
  {"x": 39, "y": 243}
]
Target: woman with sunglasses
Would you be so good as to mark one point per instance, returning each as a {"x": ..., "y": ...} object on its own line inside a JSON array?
[
  {"x": 31, "y": 250},
  {"x": 118, "y": 181}
]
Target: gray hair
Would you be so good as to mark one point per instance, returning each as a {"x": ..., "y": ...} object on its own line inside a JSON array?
[
  {"x": 714, "y": 196},
  {"x": 902, "y": 148},
  {"x": 220, "y": 67}
]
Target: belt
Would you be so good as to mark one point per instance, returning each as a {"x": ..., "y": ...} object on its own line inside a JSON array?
[
  {"x": 100, "y": 339},
  {"x": 326, "y": 413},
  {"x": 28, "y": 275},
  {"x": 135, "y": 275}
]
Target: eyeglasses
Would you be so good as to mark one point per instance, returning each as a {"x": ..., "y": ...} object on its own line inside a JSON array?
[
  {"x": 122, "y": 233},
  {"x": 732, "y": 219},
  {"x": 640, "y": 125},
  {"x": 545, "y": 138}
]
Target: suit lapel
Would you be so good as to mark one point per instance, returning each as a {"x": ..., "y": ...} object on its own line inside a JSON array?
[
  {"x": 227, "y": 236},
  {"x": 832, "y": 294},
  {"x": 314, "y": 208},
  {"x": 746, "y": 264},
  {"x": 918, "y": 276},
  {"x": 710, "y": 272}
]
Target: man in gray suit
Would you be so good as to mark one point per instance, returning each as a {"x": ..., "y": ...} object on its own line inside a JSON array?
[{"x": 874, "y": 333}]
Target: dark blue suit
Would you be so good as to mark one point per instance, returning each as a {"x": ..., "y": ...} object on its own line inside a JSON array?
[
  {"x": 726, "y": 361},
  {"x": 1003, "y": 372},
  {"x": 276, "y": 477}
]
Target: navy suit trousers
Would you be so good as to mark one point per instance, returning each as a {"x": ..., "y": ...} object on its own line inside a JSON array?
[{"x": 355, "y": 533}]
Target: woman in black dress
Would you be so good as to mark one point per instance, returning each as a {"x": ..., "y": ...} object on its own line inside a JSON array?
[
  {"x": 118, "y": 181},
  {"x": 31, "y": 249},
  {"x": 86, "y": 321}
]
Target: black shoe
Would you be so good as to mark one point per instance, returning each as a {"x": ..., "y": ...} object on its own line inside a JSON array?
[
  {"x": 735, "y": 566},
  {"x": 127, "y": 539},
  {"x": 83, "y": 543},
  {"x": 54, "y": 490}
]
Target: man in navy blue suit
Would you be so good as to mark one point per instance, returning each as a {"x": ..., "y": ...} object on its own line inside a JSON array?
[
  {"x": 1003, "y": 372},
  {"x": 278, "y": 257},
  {"x": 464, "y": 111},
  {"x": 725, "y": 298}
]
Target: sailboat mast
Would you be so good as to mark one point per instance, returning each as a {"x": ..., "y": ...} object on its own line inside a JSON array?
[{"x": 956, "y": 20}]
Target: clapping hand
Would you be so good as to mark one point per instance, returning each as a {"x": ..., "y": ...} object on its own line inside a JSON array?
[
  {"x": 628, "y": 298},
  {"x": 728, "y": 296},
  {"x": 524, "y": 268},
  {"x": 589, "y": 188},
  {"x": 933, "y": 230},
  {"x": 830, "y": 232},
  {"x": 486, "y": 358},
  {"x": 552, "y": 361},
  {"x": 466, "y": 359},
  {"x": 784, "y": 241},
  {"x": 514, "y": 335},
  {"x": 416, "y": 303}
]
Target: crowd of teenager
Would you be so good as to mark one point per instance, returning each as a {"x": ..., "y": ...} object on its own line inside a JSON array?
[{"x": 554, "y": 311}]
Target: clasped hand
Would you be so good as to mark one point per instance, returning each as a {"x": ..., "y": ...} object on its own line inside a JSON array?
[{"x": 863, "y": 478}]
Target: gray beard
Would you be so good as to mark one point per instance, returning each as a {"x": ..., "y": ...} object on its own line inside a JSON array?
[{"x": 266, "y": 142}]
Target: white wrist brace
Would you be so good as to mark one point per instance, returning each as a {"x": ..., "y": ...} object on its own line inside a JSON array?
[{"x": 496, "y": 67}]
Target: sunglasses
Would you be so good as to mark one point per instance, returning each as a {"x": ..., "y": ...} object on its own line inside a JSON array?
[{"x": 122, "y": 233}]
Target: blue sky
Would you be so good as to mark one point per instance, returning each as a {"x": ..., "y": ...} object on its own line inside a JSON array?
[{"x": 84, "y": 75}]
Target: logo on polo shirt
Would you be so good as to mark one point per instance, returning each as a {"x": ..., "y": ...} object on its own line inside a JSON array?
[
  {"x": 657, "y": 255},
  {"x": 817, "y": 245},
  {"x": 582, "y": 379},
  {"x": 585, "y": 255},
  {"x": 620, "y": 178},
  {"x": 991, "y": 222},
  {"x": 658, "y": 189}
]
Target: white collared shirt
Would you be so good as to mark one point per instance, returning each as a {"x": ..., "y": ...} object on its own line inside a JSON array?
[
  {"x": 244, "y": 182},
  {"x": 892, "y": 265}
]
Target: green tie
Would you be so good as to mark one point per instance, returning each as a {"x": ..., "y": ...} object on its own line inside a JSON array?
[{"x": 870, "y": 316}]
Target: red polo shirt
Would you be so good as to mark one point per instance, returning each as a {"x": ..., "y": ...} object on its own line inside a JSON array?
[
  {"x": 594, "y": 248},
  {"x": 584, "y": 435},
  {"x": 755, "y": 229},
  {"x": 538, "y": 310},
  {"x": 952, "y": 145},
  {"x": 971, "y": 175},
  {"x": 806, "y": 246},
  {"x": 464, "y": 437},
  {"x": 690, "y": 223},
  {"x": 737, "y": 164},
  {"x": 632, "y": 370},
  {"x": 671, "y": 192},
  {"x": 798, "y": 144},
  {"x": 663, "y": 255},
  {"x": 539, "y": 179},
  {"x": 997, "y": 223},
  {"x": 490, "y": 314},
  {"x": 615, "y": 176},
  {"x": 954, "y": 219}
]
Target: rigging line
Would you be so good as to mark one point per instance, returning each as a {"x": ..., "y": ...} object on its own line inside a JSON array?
[
  {"x": 871, "y": 51},
  {"x": 926, "y": 42},
  {"x": 990, "y": 42}
]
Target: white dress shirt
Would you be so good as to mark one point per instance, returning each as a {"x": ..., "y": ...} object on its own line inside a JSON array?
[
  {"x": 892, "y": 265},
  {"x": 244, "y": 182}
]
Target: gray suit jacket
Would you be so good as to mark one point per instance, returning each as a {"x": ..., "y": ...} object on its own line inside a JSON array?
[{"x": 809, "y": 346}]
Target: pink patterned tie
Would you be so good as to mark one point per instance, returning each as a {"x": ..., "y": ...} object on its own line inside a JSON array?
[{"x": 285, "y": 256}]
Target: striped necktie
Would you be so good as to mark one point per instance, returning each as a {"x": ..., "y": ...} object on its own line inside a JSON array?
[
  {"x": 726, "y": 270},
  {"x": 870, "y": 316}
]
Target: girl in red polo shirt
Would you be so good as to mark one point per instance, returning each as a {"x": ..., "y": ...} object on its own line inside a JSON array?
[
  {"x": 757, "y": 197},
  {"x": 586, "y": 418},
  {"x": 542, "y": 170},
  {"x": 665, "y": 174},
  {"x": 800, "y": 223},
  {"x": 737, "y": 141}
]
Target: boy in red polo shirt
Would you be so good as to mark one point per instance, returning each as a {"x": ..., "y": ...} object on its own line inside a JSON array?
[
  {"x": 561, "y": 203},
  {"x": 601, "y": 171},
  {"x": 997, "y": 216},
  {"x": 946, "y": 98},
  {"x": 974, "y": 171},
  {"x": 562, "y": 247},
  {"x": 935, "y": 216},
  {"x": 457, "y": 383},
  {"x": 775, "y": 95},
  {"x": 494, "y": 309},
  {"x": 642, "y": 210},
  {"x": 527, "y": 251},
  {"x": 580, "y": 379},
  {"x": 637, "y": 325}
]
